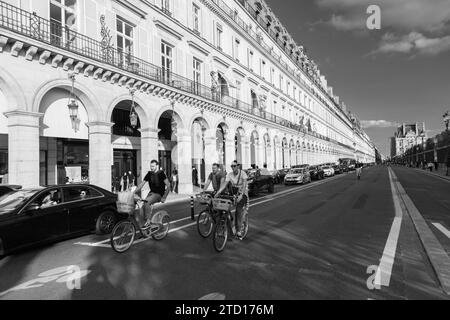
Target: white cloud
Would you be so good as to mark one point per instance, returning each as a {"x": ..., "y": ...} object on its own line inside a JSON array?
[
  {"x": 402, "y": 15},
  {"x": 378, "y": 124},
  {"x": 413, "y": 43}
]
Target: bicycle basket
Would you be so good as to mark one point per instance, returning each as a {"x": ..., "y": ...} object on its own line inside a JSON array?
[
  {"x": 222, "y": 204},
  {"x": 204, "y": 198},
  {"x": 127, "y": 208}
]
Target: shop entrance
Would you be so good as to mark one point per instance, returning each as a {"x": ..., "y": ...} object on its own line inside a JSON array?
[
  {"x": 125, "y": 161},
  {"x": 165, "y": 161}
]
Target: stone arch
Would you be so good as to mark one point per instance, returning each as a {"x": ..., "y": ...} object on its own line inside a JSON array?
[
  {"x": 178, "y": 111},
  {"x": 13, "y": 92},
  {"x": 83, "y": 93},
  {"x": 140, "y": 109}
]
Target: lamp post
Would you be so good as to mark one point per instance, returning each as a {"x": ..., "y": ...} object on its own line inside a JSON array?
[
  {"x": 446, "y": 117},
  {"x": 73, "y": 105}
]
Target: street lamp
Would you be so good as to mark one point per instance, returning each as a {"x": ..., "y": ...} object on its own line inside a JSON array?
[
  {"x": 133, "y": 114},
  {"x": 73, "y": 105}
]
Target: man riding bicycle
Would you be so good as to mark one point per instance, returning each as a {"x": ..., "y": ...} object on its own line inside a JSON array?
[
  {"x": 216, "y": 177},
  {"x": 238, "y": 180},
  {"x": 159, "y": 190}
]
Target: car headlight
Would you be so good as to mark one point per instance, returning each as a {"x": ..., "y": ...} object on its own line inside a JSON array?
[{"x": 300, "y": 178}]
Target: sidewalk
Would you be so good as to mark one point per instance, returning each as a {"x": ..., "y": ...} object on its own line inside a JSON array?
[
  {"x": 175, "y": 198},
  {"x": 440, "y": 173}
]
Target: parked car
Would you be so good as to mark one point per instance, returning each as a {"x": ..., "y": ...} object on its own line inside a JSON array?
[
  {"x": 297, "y": 176},
  {"x": 41, "y": 215},
  {"x": 337, "y": 169},
  {"x": 316, "y": 173},
  {"x": 300, "y": 166},
  {"x": 329, "y": 171},
  {"x": 276, "y": 176},
  {"x": 282, "y": 173},
  {"x": 258, "y": 182},
  {"x": 7, "y": 188}
]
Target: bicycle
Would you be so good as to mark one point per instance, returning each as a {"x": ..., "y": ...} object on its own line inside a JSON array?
[
  {"x": 124, "y": 233},
  {"x": 224, "y": 224},
  {"x": 207, "y": 218}
]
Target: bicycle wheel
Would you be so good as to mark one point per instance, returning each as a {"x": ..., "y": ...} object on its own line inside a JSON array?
[
  {"x": 220, "y": 237},
  {"x": 122, "y": 236},
  {"x": 162, "y": 219},
  {"x": 245, "y": 225},
  {"x": 205, "y": 224}
]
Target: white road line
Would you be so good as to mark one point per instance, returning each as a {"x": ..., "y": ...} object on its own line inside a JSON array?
[
  {"x": 384, "y": 271},
  {"x": 103, "y": 244},
  {"x": 443, "y": 229}
]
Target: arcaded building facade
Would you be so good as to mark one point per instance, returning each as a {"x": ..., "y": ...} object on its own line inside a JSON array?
[{"x": 92, "y": 89}]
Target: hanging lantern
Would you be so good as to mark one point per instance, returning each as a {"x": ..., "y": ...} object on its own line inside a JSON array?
[
  {"x": 73, "y": 106},
  {"x": 133, "y": 119},
  {"x": 133, "y": 115}
]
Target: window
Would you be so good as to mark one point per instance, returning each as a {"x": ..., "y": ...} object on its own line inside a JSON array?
[
  {"x": 196, "y": 18},
  {"x": 49, "y": 199},
  {"x": 237, "y": 43},
  {"x": 295, "y": 93},
  {"x": 272, "y": 76},
  {"x": 79, "y": 193},
  {"x": 197, "y": 73},
  {"x": 250, "y": 60},
  {"x": 165, "y": 7},
  {"x": 124, "y": 39},
  {"x": 219, "y": 32},
  {"x": 63, "y": 20},
  {"x": 238, "y": 89},
  {"x": 263, "y": 69},
  {"x": 281, "y": 82},
  {"x": 166, "y": 60},
  {"x": 288, "y": 87}
]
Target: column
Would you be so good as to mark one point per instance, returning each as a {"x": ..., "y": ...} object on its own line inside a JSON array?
[
  {"x": 52, "y": 159},
  {"x": 23, "y": 148},
  {"x": 100, "y": 154},
  {"x": 211, "y": 153},
  {"x": 230, "y": 152},
  {"x": 246, "y": 153},
  {"x": 184, "y": 164},
  {"x": 260, "y": 154},
  {"x": 149, "y": 149}
]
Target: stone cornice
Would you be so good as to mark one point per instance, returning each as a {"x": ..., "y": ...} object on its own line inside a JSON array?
[
  {"x": 197, "y": 47},
  {"x": 221, "y": 61},
  {"x": 127, "y": 4},
  {"x": 163, "y": 26}
]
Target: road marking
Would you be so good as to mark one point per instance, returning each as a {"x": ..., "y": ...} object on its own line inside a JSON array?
[
  {"x": 102, "y": 244},
  {"x": 443, "y": 229},
  {"x": 384, "y": 271}
]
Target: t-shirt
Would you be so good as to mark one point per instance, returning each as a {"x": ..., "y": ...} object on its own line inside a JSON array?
[
  {"x": 238, "y": 181},
  {"x": 156, "y": 182},
  {"x": 216, "y": 179}
]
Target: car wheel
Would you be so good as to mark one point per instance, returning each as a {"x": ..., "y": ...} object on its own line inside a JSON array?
[{"x": 105, "y": 223}]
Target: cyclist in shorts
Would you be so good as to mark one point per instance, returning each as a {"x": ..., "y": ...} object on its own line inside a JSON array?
[{"x": 238, "y": 180}]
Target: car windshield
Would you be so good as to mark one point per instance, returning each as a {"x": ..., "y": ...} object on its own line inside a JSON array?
[
  {"x": 12, "y": 201},
  {"x": 296, "y": 171},
  {"x": 326, "y": 167}
]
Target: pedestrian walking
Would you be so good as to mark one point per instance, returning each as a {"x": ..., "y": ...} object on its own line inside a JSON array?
[
  {"x": 175, "y": 181},
  {"x": 430, "y": 166},
  {"x": 195, "y": 176}
]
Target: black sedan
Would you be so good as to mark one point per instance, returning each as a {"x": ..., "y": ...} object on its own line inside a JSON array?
[
  {"x": 7, "y": 188},
  {"x": 34, "y": 216},
  {"x": 316, "y": 173}
]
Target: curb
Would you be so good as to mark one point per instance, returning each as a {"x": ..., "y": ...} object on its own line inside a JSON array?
[
  {"x": 438, "y": 257},
  {"x": 434, "y": 174}
]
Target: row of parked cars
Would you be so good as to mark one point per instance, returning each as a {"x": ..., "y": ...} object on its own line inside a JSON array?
[
  {"x": 42, "y": 215},
  {"x": 258, "y": 181}
]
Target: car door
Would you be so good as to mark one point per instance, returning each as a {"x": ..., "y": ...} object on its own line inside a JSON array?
[
  {"x": 84, "y": 205},
  {"x": 54, "y": 214}
]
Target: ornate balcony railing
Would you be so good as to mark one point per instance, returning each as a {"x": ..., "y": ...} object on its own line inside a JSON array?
[{"x": 35, "y": 27}]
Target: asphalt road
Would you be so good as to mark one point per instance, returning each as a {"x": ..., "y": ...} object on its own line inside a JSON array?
[{"x": 310, "y": 242}]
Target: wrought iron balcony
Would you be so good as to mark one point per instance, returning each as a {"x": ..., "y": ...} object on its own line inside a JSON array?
[{"x": 51, "y": 33}]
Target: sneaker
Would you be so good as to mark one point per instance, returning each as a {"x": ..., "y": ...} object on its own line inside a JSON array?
[{"x": 147, "y": 224}]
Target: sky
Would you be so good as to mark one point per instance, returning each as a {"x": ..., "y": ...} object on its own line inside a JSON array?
[{"x": 399, "y": 73}]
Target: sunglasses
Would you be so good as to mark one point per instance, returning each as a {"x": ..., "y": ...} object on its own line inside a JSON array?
[{"x": 234, "y": 166}]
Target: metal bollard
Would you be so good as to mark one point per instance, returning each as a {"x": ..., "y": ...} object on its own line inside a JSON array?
[{"x": 192, "y": 208}]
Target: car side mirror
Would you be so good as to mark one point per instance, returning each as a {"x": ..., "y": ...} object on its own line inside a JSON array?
[{"x": 32, "y": 208}]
